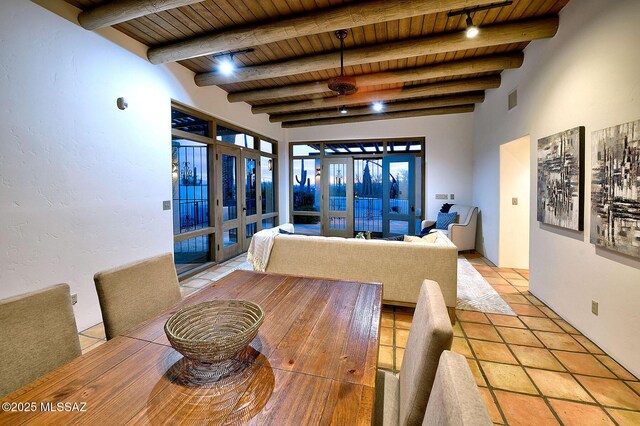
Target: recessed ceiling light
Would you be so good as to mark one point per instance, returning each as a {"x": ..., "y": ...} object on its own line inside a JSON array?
[
  {"x": 378, "y": 106},
  {"x": 226, "y": 66}
]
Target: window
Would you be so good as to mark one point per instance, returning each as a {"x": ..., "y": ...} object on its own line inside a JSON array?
[{"x": 225, "y": 134}]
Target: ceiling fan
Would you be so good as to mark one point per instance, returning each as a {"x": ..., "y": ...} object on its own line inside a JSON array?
[{"x": 343, "y": 85}]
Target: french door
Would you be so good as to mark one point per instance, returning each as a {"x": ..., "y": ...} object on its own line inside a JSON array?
[
  {"x": 238, "y": 200},
  {"x": 337, "y": 190},
  {"x": 398, "y": 195}
]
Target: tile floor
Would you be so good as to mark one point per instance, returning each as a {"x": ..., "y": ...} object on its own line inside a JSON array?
[{"x": 533, "y": 369}]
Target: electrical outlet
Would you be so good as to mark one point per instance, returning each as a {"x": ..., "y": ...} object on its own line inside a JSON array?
[
  {"x": 74, "y": 298},
  {"x": 441, "y": 196},
  {"x": 594, "y": 307},
  {"x": 166, "y": 205},
  {"x": 451, "y": 196}
]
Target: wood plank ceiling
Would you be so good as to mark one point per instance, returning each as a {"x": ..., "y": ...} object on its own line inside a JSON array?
[{"x": 408, "y": 53}]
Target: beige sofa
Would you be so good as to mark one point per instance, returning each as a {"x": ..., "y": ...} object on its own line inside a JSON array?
[{"x": 400, "y": 266}]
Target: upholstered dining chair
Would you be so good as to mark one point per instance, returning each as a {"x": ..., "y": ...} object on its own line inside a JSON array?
[
  {"x": 133, "y": 293},
  {"x": 455, "y": 399},
  {"x": 38, "y": 334},
  {"x": 402, "y": 399}
]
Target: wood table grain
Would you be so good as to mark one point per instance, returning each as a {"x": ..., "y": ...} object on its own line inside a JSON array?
[{"x": 313, "y": 362}]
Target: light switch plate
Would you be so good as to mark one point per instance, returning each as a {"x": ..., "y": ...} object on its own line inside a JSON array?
[
  {"x": 441, "y": 197},
  {"x": 451, "y": 196},
  {"x": 594, "y": 307},
  {"x": 166, "y": 205},
  {"x": 514, "y": 201}
]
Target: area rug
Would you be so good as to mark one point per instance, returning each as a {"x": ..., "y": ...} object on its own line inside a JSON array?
[{"x": 476, "y": 294}]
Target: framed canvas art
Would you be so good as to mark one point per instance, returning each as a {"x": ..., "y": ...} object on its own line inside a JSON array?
[
  {"x": 561, "y": 179},
  {"x": 615, "y": 194}
]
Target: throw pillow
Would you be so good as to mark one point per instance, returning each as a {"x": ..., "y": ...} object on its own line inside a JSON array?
[
  {"x": 445, "y": 219},
  {"x": 430, "y": 238},
  {"x": 394, "y": 238},
  {"x": 445, "y": 207},
  {"x": 412, "y": 239},
  {"x": 428, "y": 229},
  {"x": 282, "y": 231}
]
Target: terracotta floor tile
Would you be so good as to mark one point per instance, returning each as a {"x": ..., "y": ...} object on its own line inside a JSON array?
[
  {"x": 472, "y": 316},
  {"x": 495, "y": 415},
  {"x": 576, "y": 414},
  {"x": 403, "y": 320},
  {"x": 385, "y": 357},
  {"x": 518, "y": 336},
  {"x": 617, "y": 369},
  {"x": 536, "y": 357},
  {"x": 508, "y": 377},
  {"x": 457, "y": 330},
  {"x": 399, "y": 357},
  {"x": 477, "y": 374},
  {"x": 543, "y": 324},
  {"x": 480, "y": 331},
  {"x": 461, "y": 346},
  {"x": 588, "y": 345},
  {"x": 507, "y": 289},
  {"x": 92, "y": 347},
  {"x": 566, "y": 326},
  {"x": 97, "y": 331},
  {"x": 496, "y": 280},
  {"x": 510, "y": 275},
  {"x": 559, "y": 341},
  {"x": 611, "y": 392},
  {"x": 387, "y": 319},
  {"x": 506, "y": 320},
  {"x": 534, "y": 300},
  {"x": 523, "y": 410},
  {"x": 558, "y": 385},
  {"x": 635, "y": 386},
  {"x": 583, "y": 364},
  {"x": 527, "y": 310},
  {"x": 386, "y": 336},
  {"x": 85, "y": 341},
  {"x": 515, "y": 298},
  {"x": 548, "y": 312},
  {"x": 624, "y": 417},
  {"x": 518, "y": 282},
  {"x": 402, "y": 336},
  {"x": 196, "y": 282},
  {"x": 492, "y": 351},
  {"x": 187, "y": 291}
]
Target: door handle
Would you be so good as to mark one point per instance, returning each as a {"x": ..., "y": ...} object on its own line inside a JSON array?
[
  {"x": 244, "y": 209},
  {"x": 413, "y": 209}
]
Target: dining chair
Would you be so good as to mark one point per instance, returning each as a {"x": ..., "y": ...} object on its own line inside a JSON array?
[
  {"x": 402, "y": 399},
  {"x": 38, "y": 334},
  {"x": 133, "y": 293},
  {"x": 455, "y": 399}
]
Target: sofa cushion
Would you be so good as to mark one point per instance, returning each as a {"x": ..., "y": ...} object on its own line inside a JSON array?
[{"x": 445, "y": 219}]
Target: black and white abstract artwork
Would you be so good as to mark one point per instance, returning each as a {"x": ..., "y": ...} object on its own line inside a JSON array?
[
  {"x": 560, "y": 179},
  {"x": 615, "y": 179}
]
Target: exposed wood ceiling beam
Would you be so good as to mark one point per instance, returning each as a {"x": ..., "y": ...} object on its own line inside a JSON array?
[
  {"x": 118, "y": 11},
  {"x": 492, "y": 35},
  {"x": 444, "y": 69},
  {"x": 381, "y": 116},
  {"x": 465, "y": 99},
  {"x": 336, "y": 18},
  {"x": 433, "y": 89}
]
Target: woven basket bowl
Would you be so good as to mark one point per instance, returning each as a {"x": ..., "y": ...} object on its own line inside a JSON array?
[{"x": 214, "y": 331}]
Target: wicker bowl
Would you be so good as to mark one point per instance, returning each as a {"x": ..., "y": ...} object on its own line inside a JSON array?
[{"x": 214, "y": 331}]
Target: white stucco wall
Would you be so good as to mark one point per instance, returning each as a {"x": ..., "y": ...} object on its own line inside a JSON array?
[
  {"x": 81, "y": 182},
  {"x": 587, "y": 75}
]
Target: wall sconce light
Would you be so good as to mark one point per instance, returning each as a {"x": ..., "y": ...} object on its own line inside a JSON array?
[
  {"x": 270, "y": 164},
  {"x": 121, "y": 103}
]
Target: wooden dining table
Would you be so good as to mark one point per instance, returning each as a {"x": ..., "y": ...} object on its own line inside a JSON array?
[{"x": 312, "y": 362}]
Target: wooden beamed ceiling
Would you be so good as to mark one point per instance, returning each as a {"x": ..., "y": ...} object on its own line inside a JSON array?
[{"x": 408, "y": 53}]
